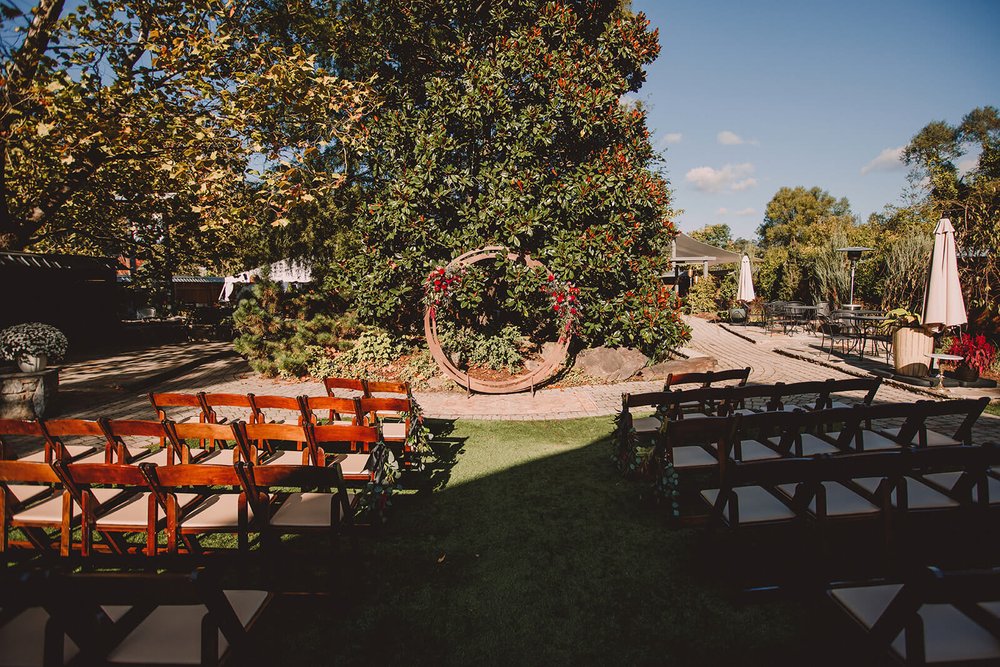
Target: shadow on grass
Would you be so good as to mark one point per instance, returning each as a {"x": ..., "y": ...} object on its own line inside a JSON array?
[{"x": 523, "y": 546}]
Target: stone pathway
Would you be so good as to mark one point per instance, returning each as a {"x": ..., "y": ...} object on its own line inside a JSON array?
[{"x": 214, "y": 372}]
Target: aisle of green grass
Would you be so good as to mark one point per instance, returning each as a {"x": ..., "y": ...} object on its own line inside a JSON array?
[{"x": 523, "y": 546}]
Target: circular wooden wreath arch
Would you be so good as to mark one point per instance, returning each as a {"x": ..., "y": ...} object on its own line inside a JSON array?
[{"x": 555, "y": 357}]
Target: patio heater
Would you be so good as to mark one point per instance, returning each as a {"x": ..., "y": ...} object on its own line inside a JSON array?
[{"x": 853, "y": 254}]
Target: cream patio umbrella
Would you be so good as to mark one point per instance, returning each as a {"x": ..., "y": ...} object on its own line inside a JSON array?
[
  {"x": 745, "y": 291},
  {"x": 944, "y": 306}
]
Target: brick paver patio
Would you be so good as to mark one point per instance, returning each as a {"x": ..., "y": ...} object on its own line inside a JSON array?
[{"x": 231, "y": 374}]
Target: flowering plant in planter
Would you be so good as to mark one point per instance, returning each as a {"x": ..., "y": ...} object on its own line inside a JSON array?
[
  {"x": 977, "y": 352},
  {"x": 32, "y": 338}
]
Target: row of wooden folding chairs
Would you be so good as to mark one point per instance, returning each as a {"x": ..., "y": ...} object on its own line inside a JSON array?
[
  {"x": 39, "y": 494},
  {"x": 859, "y": 485},
  {"x": 709, "y": 442},
  {"x": 722, "y": 401},
  {"x": 392, "y": 414},
  {"x": 705, "y": 379},
  {"x": 49, "y": 617},
  {"x": 931, "y": 616},
  {"x": 125, "y": 441}
]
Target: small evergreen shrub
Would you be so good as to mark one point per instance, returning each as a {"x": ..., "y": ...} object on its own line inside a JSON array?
[{"x": 701, "y": 297}]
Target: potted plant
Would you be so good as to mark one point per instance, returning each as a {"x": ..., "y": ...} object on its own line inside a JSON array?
[
  {"x": 977, "y": 356},
  {"x": 32, "y": 345},
  {"x": 910, "y": 343}
]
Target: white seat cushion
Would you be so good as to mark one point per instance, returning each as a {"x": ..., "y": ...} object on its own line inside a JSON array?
[
  {"x": 172, "y": 634},
  {"x": 355, "y": 464},
  {"x": 75, "y": 452},
  {"x": 744, "y": 411},
  {"x": 307, "y": 510},
  {"x": 811, "y": 445},
  {"x": 948, "y": 480},
  {"x": 755, "y": 504},
  {"x": 394, "y": 430},
  {"x": 934, "y": 439},
  {"x": 840, "y": 500},
  {"x": 143, "y": 455},
  {"x": 646, "y": 425},
  {"x": 874, "y": 441},
  {"x": 919, "y": 496},
  {"x": 751, "y": 450},
  {"x": 50, "y": 510},
  {"x": 283, "y": 457},
  {"x": 22, "y": 640},
  {"x": 840, "y": 404},
  {"x": 692, "y": 457},
  {"x": 219, "y": 511},
  {"x": 135, "y": 511},
  {"x": 25, "y": 492}
]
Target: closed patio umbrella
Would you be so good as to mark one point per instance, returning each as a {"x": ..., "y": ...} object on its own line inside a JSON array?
[
  {"x": 745, "y": 290},
  {"x": 944, "y": 306}
]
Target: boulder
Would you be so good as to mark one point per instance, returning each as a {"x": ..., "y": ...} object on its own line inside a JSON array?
[
  {"x": 611, "y": 363},
  {"x": 693, "y": 365}
]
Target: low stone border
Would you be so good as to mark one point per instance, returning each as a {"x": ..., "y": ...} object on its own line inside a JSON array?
[
  {"x": 737, "y": 334},
  {"x": 850, "y": 371}
]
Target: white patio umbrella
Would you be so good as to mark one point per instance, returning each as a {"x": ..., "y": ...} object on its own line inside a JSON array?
[
  {"x": 745, "y": 290},
  {"x": 944, "y": 306}
]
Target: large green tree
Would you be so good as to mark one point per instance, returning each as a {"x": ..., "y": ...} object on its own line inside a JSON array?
[
  {"x": 803, "y": 216},
  {"x": 507, "y": 123},
  {"x": 126, "y": 123}
]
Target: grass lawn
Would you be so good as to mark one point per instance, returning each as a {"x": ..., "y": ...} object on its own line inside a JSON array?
[
  {"x": 993, "y": 409},
  {"x": 522, "y": 545}
]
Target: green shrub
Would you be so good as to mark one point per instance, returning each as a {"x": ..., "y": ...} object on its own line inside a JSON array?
[
  {"x": 728, "y": 286},
  {"x": 701, "y": 296},
  {"x": 286, "y": 332},
  {"x": 502, "y": 351}
]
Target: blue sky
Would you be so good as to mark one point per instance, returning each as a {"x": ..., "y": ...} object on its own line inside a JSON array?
[{"x": 747, "y": 97}]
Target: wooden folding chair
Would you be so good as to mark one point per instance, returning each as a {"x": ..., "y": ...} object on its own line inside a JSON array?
[
  {"x": 52, "y": 434},
  {"x": 54, "y": 509},
  {"x": 18, "y": 434},
  {"x": 324, "y": 509},
  {"x": 218, "y": 438},
  {"x": 221, "y": 503},
  {"x": 968, "y": 409},
  {"x": 130, "y": 442},
  {"x": 356, "y": 444},
  {"x": 796, "y": 433},
  {"x": 332, "y": 385},
  {"x": 130, "y": 510},
  {"x": 277, "y": 409},
  {"x": 708, "y": 378},
  {"x": 385, "y": 412},
  {"x": 192, "y": 402},
  {"x": 163, "y": 618},
  {"x": 340, "y": 411},
  {"x": 211, "y": 405},
  {"x": 932, "y": 618},
  {"x": 258, "y": 444}
]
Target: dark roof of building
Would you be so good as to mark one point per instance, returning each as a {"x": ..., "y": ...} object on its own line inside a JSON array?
[{"x": 31, "y": 260}]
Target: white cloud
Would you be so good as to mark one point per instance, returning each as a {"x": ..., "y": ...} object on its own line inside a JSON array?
[
  {"x": 729, "y": 177},
  {"x": 668, "y": 139},
  {"x": 890, "y": 159},
  {"x": 729, "y": 138},
  {"x": 746, "y": 212},
  {"x": 722, "y": 211}
]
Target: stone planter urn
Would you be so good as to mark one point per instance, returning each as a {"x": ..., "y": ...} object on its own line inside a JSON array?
[
  {"x": 32, "y": 363},
  {"x": 910, "y": 348}
]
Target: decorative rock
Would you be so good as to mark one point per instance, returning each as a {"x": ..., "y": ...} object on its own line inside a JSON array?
[
  {"x": 693, "y": 365},
  {"x": 611, "y": 363}
]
